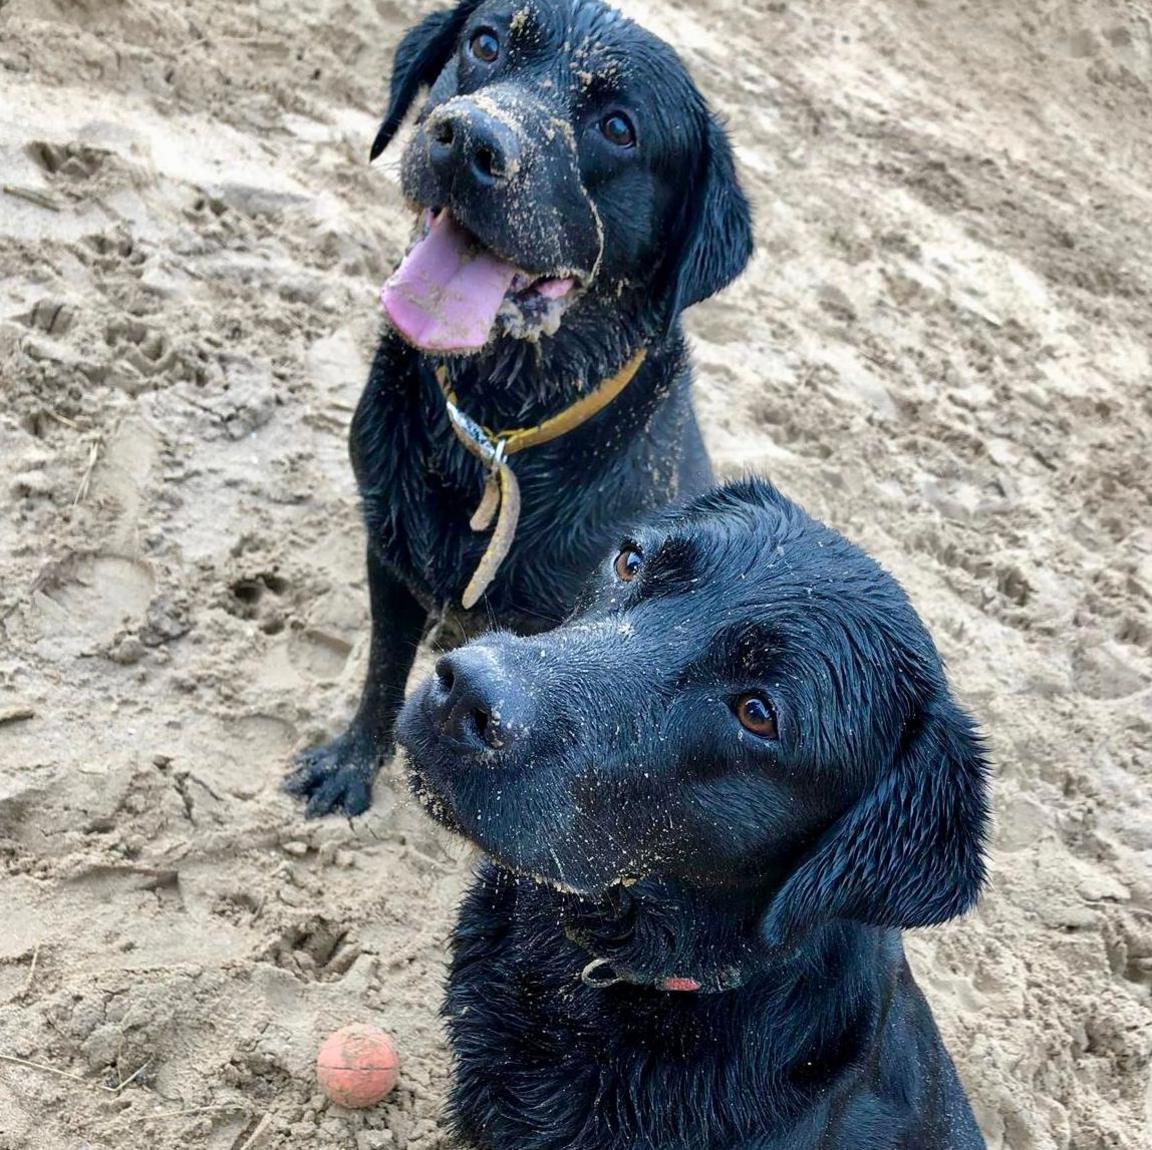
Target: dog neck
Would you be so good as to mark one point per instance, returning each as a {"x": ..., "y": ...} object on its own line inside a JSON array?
[
  {"x": 515, "y": 381},
  {"x": 762, "y": 1053},
  {"x": 670, "y": 936}
]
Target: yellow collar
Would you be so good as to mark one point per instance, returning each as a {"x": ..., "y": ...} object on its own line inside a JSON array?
[{"x": 501, "y": 490}]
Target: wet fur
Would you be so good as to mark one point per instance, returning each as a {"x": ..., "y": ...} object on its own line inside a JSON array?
[
  {"x": 786, "y": 868},
  {"x": 419, "y": 487}
]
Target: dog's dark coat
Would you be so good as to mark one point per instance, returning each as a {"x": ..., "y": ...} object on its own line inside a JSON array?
[
  {"x": 675, "y": 230},
  {"x": 605, "y": 760}
]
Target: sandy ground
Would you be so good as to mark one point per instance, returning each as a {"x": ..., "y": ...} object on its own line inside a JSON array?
[{"x": 941, "y": 347}]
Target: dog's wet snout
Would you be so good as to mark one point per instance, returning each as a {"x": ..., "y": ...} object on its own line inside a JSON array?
[
  {"x": 465, "y": 138},
  {"x": 476, "y": 705}
]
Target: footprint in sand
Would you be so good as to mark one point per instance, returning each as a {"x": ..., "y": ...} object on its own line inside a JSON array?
[
  {"x": 317, "y": 655},
  {"x": 85, "y": 600},
  {"x": 1108, "y": 670}
]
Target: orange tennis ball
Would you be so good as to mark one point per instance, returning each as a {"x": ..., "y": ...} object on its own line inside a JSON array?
[{"x": 357, "y": 1065}]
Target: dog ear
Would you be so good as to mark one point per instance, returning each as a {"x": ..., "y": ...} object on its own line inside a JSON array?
[
  {"x": 911, "y": 851},
  {"x": 419, "y": 59},
  {"x": 716, "y": 228}
]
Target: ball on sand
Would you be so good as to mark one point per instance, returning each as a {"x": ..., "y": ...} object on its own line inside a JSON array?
[{"x": 357, "y": 1065}]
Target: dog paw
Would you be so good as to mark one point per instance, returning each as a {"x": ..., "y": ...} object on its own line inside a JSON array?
[{"x": 336, "y": 778}]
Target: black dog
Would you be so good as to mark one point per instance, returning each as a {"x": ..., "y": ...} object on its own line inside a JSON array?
[
  {"x": 711, "y": 802},
  {"x": 575, "y": 195}
]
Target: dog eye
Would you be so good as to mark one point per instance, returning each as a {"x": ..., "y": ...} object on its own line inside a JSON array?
[
  {"x": 756, "y": 714},
  {"x": 628, "y": 564},
  {"x": 484, "y": 45},
  {"x": 618, "y": 130}
]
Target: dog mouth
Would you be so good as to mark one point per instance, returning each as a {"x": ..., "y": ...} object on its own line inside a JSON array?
[
  {"x": 453, "y": 294},
  {"x": 478, "y": 797},
  {"x": 435, "y": 805},
  {"x": 441, "y": 810}
]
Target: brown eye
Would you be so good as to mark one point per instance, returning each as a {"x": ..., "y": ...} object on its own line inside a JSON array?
[
  {"x": 618, "y": 130},
  {"x": 628, "y": 564},
  {"x": 484, "y": 45},
  {"x": 757, "y": 715}
]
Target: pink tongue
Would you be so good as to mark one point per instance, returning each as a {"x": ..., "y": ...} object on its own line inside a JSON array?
[
  {"x": 446, "y": 293},
  {"x": 556, "y": 289}
]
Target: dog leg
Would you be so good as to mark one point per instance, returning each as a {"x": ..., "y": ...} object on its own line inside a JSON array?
[{"x": 338, "y": 777}]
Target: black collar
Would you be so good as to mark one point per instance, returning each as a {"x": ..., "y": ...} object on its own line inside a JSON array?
[{"x": 600, "y": 973}]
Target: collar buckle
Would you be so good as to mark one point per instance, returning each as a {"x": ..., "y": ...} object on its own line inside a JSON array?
[
  {"x": 589, "y": 977},
  {"x": 478, "y": 439}
]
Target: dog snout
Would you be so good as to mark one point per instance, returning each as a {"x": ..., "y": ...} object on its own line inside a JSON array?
[
  {"x": 464, "y": 139},
  {"x": 477, "y": 705}
]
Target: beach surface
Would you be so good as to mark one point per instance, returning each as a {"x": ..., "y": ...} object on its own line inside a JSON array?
[{"x": 941, "y": 348}]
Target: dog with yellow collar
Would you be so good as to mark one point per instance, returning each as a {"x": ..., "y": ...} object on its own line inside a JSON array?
[{"x": 573, "y": 194}]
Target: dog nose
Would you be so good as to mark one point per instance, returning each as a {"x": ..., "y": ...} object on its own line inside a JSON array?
[
  {"x": 476, "y": 705},
  {"x": 462, "y": 137}
]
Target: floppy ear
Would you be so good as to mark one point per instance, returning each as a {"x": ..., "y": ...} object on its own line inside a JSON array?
[
  {"x": 419, "y": 59},
  {"x": 911, "y": 851},
  {"x": 716, "y": 228}
]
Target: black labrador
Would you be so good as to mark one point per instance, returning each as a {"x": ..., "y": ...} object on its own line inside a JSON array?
[
  {"x": 575, "y": 195},
  {"x": 710, "y": 804}
]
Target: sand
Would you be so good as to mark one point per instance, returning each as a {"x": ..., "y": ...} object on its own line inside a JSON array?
[{"x": 941, "y": 348}]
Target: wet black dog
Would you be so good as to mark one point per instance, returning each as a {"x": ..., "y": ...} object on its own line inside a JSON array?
[
  {"x": 710, "y": 802},
  {"x": 575, "y": 194}
]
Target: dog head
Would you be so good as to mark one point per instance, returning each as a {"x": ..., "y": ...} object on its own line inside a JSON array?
[
  {"x": 746, "y": 701},
  {"x": 563, "y": 159}
]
